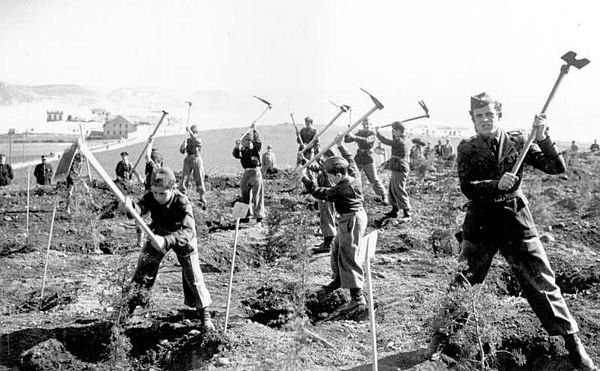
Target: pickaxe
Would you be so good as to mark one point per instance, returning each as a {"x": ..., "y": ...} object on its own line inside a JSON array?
[
  {"x": 569, "y": 57},
  {"x": 378, "y": 105},
  {"x": 426, "y": 115},
  {"x": 269, "y": 106},
  {"x": 343, "y": 108},
  {"x": 187, "y": 122},
  {"x": 164, "y": 113}
]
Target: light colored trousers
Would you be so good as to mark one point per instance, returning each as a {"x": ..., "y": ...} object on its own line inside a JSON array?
[
  {"x": 253, "y": 192},
  {"x": 193, "y": 168},
  {"x": 371, "y": 173},
  {"x": 327, "y": 218},
  {"x": 397, "y": 189},
  {"x": 346, "y": 257}
]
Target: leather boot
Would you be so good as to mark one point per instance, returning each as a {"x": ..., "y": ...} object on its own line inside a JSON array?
[
  {"x": 577, "y": 353},
  {"x": 205, "y": 321},
  {"x": 325, "y": 247},
  {"x": 406, "y": 218},
  {"x": 357, "y": 299}
]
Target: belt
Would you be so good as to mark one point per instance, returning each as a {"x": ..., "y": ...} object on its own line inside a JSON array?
[
  {"x": 353, "y": 212},
  {"x": 507, "y": 196}
]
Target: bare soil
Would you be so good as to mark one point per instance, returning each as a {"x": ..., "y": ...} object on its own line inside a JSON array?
[{"x": 280, "y": 317}]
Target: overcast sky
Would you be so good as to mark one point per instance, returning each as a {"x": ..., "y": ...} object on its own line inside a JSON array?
[{"x": 299, "y": 54}]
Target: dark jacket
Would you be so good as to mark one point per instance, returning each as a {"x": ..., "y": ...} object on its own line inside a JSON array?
[
  {"x": 365, "y": 140},
  {"x": 43, "y": 173},
  {"x": 347, "y": 195},
  {"x": 399, "y": 159},
  {"x": 492, "y": 213},
  {"x": 6, "y": 174},
  {"x": 123, "y": 170},
  {"x": 250, "y": 158},
  {"x": 174, "y": 221}
]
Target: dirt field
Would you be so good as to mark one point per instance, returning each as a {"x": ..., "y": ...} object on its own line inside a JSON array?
[{"x": 280, "y": 319}]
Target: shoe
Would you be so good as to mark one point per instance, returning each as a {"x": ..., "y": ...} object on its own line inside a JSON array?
[
  {"x": 577, "y": 353},
  {"x": 325, "y": 247},
  {"x": 385, "y": 201},
  {"x": 406, "y": 218},
  {"x": 436, "y": 345},
  {"x": 259, "y": 220},
  {"x": 244, "y": 220},
  {"x": 356, "y": 303},
  {"x": 333, "y": 285},
  {"x": 202, "y": 204},
  {"x": 205, "y": 321},
  {"x": 391, "y": 214}
]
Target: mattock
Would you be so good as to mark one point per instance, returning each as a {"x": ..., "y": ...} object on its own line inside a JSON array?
[
  {"x": 569, "y": 57},
  {"x": 426, "y": 115},
  {"x": 269, "y": 106}
]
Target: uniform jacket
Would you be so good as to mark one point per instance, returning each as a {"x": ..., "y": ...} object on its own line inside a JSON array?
[
  {"x": 491, "y": 213},
  {"x": 174, "y": 221},
  {"x": 123, "y": 170},
  {"x": 6, "y": 174},
  {"x": 250, "y": 158},
  {"x": 268, "y": 160},
  {"x": 347, "y": 195},
  {"x": 399, "y": 159},
  {"x": 365, "y": 140},
  {"x": 306, "y": 135},
  {"x": 43, "y": 173}
]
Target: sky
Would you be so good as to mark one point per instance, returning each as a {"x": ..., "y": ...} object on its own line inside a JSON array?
[{"x": 300, "y": 54}]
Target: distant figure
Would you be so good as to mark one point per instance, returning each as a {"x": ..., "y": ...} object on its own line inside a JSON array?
[
  {"x": 437, "y": 149},
  {"x": 427, "y": 150},
  {"x": 573, "y": 154},
  {"x": 6, "y": 172},
  {"x": 307, "y": 134},
  {"x": 268, "y": 161},
  {"x": 448, "y": 154},
  {"x": 154, "y": 160},
  {"x": 43, "y": 172},
  {"x": 74, "y": 178},
  {"x": 594, "y": 147},
  {"x": 416, "y": 154},
  {"x": 193, "y": 165},
  {"x": 123, "y": 170}
]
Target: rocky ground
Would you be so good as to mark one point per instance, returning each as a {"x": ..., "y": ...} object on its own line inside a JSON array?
[{"x": 280, "y": 319}]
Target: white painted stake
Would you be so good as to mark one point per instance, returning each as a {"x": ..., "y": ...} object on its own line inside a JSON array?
[
  {"x": 48, "y": 253},
  {"x": 370, "y": 242},
  {"x": 240, "y": 210},
  {"x": 27, "y": 215}
]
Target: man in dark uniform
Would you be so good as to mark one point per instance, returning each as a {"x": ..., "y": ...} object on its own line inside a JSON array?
[
  {"x": 43, "y": 172},
  {"x": 365, "y": 139},
  {"x": 6, "y": 171},
  {"x": 498, "y": 218},
  {"x": 193, "y": 165},
  {"x": 123, "y": 170},
  {"x": 307, "y": 133}
]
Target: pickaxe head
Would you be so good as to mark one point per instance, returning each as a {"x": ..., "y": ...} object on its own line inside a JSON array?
[
  {"x": 422, "y": 104},
  {"x": 264, "y": 101},
  {"x": 189, "y": 103},
  {"x": 345, "y": 108},
  {"x": 569, "y": 57},
  {"x": 378, "y": 104}
]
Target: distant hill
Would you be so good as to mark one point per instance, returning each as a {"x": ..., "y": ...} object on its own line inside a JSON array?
[{"x": 18, "y": 94}]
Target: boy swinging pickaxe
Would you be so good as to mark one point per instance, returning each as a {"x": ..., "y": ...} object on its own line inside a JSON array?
[
  {"x": 253, "y": 126},
  {"x": 133, "y": 169},
  {"x": 569, "y": 57},
  {"x": 299, "y": 170},
  {"x": 343, "y": 108}
]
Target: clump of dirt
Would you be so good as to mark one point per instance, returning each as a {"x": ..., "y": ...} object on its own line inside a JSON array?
[
  {"x": 320, "y": 304},
  {"x": 51, "y": 355},
  {"x": 271, "y": 306}
]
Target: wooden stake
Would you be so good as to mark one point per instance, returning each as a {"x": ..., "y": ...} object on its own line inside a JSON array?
[
  {"x": 370, "y": 241},
  {"x": 240, "y": 210},
  {"x": 27, "y": 215},
  {"x": 48, "y": 253}
]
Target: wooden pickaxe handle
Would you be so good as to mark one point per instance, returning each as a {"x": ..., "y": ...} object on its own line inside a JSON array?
[
  {"x": 344, "y": 133},
  {"x": 314, "y": 140},
  {"x": 164, "y": 113},
  {"x": 117, "y": 192},
  {"x": 564, "y": 69},
  {"x": 298, "y": 138}
]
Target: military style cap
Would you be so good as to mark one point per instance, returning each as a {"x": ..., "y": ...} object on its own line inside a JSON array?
[
  {"x": 194, "y": 129},
  {"x": 482, "y": 99},
  {"x": 333, "y": 162},
  {"x": 124, "y": 154},
  {"x": 308, "y": 119},
  {"x": 163, "y": 177},
  {"x": 269, "y": 146}
]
